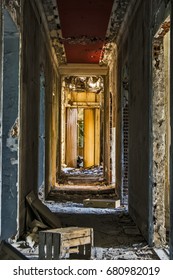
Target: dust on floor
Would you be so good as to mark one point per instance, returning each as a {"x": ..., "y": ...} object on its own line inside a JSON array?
[{"x": 116, "y": 237}]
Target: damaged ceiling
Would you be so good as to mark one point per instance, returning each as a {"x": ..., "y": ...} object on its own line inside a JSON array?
[{"x": 83, "y": 32}]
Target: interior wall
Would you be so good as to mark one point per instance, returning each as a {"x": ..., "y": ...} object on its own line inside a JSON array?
[
  {"x": 136, "y": 50},
  {"x": 113, "y": 93},
  {"x": 135, "y": 47},
  {"x": 1, "y": 55},
  {"x": 106, "y": 130},
  {"x": 9, "y": 128},
  {"x": 171, "y": 148},
  {"x": 36, "y": 59}
]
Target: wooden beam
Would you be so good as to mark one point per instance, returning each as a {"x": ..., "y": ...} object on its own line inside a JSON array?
[{"x": 83, "y": 69}]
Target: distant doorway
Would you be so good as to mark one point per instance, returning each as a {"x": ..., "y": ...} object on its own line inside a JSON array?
[{"x": 80, "y": 128}]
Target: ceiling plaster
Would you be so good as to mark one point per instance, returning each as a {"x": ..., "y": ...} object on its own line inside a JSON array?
[{"x": 96, "y": 43}]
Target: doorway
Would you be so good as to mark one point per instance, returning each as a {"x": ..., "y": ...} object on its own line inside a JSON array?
[{"x": 81, "y": 134}]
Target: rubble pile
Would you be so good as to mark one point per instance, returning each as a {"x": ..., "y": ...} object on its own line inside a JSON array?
[{"x": 70, "y": 175}]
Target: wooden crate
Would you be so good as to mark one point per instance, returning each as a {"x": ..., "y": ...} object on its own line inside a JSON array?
[
  {"x": 70, "y": 242},
  {"x": 101, "y": 203}
]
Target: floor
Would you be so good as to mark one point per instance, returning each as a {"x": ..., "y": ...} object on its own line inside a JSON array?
[{"x": 116, "y": 237}]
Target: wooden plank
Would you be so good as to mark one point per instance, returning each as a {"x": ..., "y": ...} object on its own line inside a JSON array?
[
  {"x": 70, "y": 232},
  {"x": 76, "y": 241},
  {"x": 8, "y": 252},
  {"x": 81, "y": 249},
  {"x": 49, "y": 246},
  {"x": 48, "y": 217},
  {"x": 56, "y": 245},
  {"x": 41, "y": 245},
  {"x": 88, "y": 251},
  {"x": 101, "y": 203},
  {"x": 92, "y": 236},
  {"x": 75, "y": 234}
]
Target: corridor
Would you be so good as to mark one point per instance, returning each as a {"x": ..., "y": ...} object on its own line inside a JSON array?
[{"x": 86, "y": 117}]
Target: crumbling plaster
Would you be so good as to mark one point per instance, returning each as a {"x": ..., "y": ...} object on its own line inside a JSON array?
[
  {"x": 148, "y": 15},
  {"x": 51, "y": 10},
  {"x": 159, "y": 144}
]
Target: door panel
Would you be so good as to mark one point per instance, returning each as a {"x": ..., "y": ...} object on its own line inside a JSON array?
[
  {"x": 97, "y": 136},
  {"x": 89, "y": 137},
  {"x": 71, "y": 138}
]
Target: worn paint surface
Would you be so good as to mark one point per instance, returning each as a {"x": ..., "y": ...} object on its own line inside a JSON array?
[{"x": 10, "y": 129}]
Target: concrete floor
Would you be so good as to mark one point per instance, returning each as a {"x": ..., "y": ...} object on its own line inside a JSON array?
[{"x": 115, "y": 234}]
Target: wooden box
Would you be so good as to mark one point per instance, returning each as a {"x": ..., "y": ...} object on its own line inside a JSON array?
[{"x": 67, "y": 242}]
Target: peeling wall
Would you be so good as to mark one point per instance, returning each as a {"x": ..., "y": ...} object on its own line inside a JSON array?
[
  {"x": 9, "y": 128},
  {"x": 161, "y": 134},
  {"x": 34, "y": 61},
  {"x": 113, "y": 91},
  {"x": 135, "y": 48},
  {"x": 159, "y": 143}
]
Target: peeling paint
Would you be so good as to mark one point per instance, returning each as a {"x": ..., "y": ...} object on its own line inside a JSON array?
[
  {"x": 51, "y": 12},
  {"x": 52, "y": 15},
  {"x": 12, "y": 142},
  {"x": 14, "y": 132},
  {"x": 14, "y": 161},
  {"x": 13, "y": 7}
]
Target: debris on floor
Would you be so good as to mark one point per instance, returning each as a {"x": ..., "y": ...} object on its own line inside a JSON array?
[
  {"x": 116, "y": 237},
  {"x": 93, "y": 170},
  {"x": 8, "y": 252},
  {"x": 70, "y": 175},
  {"x": 140, "y": 252}
]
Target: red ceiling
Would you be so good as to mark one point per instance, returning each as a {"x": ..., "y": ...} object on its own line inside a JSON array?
[{"x": 88, "y": 19}]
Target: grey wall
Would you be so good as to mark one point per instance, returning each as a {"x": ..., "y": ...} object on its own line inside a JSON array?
[
  {"x": 35, "y": 60},
  {"x": 9, "y": 129},
  {"x": 134, "y": 50},
  {"x": 139, "y": 105}
]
